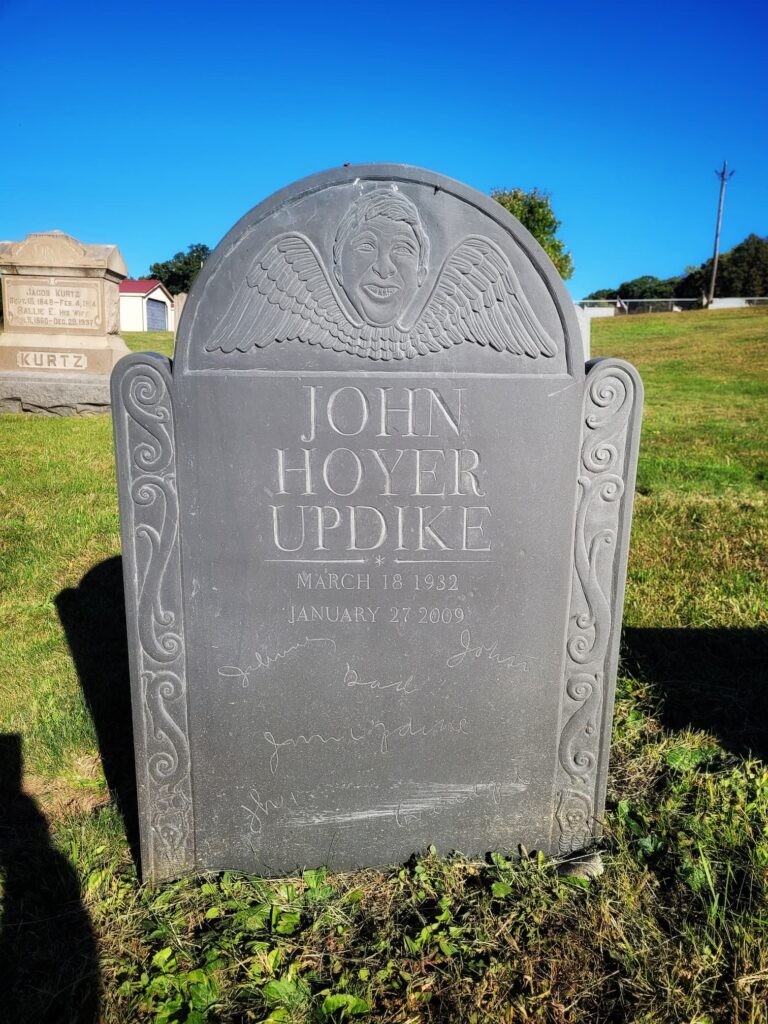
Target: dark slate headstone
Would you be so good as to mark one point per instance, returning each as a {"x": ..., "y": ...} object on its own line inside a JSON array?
[{"x": 375, "y": 521}]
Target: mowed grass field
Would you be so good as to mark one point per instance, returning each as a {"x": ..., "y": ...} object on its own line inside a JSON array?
[{"x": 676, "y": 929}]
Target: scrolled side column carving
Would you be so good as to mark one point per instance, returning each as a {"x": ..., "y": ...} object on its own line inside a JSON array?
[
  {"x": 149, "y": 516},
  {"x": 605, "y": 487}
]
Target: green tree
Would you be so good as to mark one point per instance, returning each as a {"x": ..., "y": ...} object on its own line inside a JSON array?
[
  {"x": 648, "y": 287},
  {"x": 741, "y": 272},
  {"x": 177, "y": 274},
  {"x": 534, "y": 211}
]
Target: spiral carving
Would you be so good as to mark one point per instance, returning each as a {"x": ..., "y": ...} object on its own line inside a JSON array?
[
  {"x": 588, "y": 548},
  {"x": 609, "y": 400},
  {"x": 611, "y": 392},
  {"x": 142, "y": 393},
  {"x": 603, "y": 444},
  {"x": 580, "y": 687},
  {"x": 601, "y": 456},
  {"x": 575, "y": 751},
  {"x": 158, "y": 546},
  {"x": 164, "y": 763},
  {"x": 580, "y": 647},
  {"x": 150, "y": 524}
]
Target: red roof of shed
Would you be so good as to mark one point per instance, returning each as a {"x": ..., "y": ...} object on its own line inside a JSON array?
[{"x": 129, "y": 287}]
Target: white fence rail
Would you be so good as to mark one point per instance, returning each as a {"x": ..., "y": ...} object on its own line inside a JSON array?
[{"x": 613, "y": 307}]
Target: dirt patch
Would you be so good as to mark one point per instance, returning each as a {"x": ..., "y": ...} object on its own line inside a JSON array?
[{"x": 81, "y": 792}]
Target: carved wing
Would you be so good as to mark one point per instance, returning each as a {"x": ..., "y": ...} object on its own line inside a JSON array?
[
  {"x": 286, "y": 295},
  {"x": 478, "y": 298}
]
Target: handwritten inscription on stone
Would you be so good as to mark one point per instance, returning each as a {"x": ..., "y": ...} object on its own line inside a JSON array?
[
  {"x": 53, "y": 303},
  {"x": 493, "y": 651},
  {"x": 380, "y": 733},
  {"x": 263, "y": 661},
  {"x": 404, "y": 686},
  {"x": 295, "y": 809}
]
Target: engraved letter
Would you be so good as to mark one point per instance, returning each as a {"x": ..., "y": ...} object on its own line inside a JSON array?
[
  {"x": 323, "y": 524},
  {"x": 401, "y": 510},
  {"x": 426, "y": 528},
  {"x": 435, "y": 398},
  {"x": 386, "y": 411},
  {"x": 387, "y": 471},
  {"x": 463, "y": 474},
  {"x": 311, "y": 433},
  {"x": 327, "y": 467},
  {"x": 353, "y": 525},
  {"x": 364, "y": 411},
  {"x": 282, "y": 470},
  {"x": 276, "y": 509},
  {"x": 424, "y": 472},
  {"x": 469, "y": 525}
]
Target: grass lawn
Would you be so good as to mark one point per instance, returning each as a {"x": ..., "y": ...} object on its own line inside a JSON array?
[
  {"x": 676, "y": 929},
  {"x": 150, "y": 341}
]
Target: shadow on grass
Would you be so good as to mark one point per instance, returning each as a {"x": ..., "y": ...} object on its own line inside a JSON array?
[
  {"x": 711, "y": 679},
  {"x": 49, "y": 969},
  {"x": 93, "y": 617}
]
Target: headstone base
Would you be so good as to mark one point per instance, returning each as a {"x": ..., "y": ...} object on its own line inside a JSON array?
[
  {"x": 76, "y": 394},
  {"x": 94, "y": 356}
]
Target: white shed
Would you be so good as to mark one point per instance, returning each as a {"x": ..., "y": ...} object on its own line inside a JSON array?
[{"x": 146, "y": 306}]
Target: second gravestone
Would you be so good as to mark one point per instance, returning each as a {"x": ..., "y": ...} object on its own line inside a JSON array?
[
  {"x": 61, "y": 340},
  {"x": 375, "y": 523}
]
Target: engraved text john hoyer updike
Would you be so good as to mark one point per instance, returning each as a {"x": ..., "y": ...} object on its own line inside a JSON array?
[{"x": 388, "y": 417}]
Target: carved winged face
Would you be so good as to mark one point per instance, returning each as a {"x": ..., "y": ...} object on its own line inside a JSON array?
[
  {"x": 380, "y": 269},
  {"x": 380, "y": 261}
]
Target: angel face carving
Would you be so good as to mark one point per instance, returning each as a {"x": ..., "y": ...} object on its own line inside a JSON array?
[
  {"x": 373, "y": 305},
  {"x": 380, "y": 256},
  {"x": 379, "y": 267}
]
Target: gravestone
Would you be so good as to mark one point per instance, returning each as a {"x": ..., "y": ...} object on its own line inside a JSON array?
[
  {"x": 60, "y": 340},
  {"x": 178, "y": 308},
  {"x": 375, "y": 522}
]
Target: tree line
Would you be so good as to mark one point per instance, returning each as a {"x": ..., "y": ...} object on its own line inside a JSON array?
[{"x": 741, "y": 272}]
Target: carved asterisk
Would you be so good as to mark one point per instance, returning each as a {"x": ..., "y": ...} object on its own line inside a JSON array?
[{"x": 380, "y": 560}]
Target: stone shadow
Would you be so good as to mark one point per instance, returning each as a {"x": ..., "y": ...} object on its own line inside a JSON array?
[
  {"x": 710, "y": 679},
  {"x": 49, "y": 968},
  {"x": 93, "y": 617}
]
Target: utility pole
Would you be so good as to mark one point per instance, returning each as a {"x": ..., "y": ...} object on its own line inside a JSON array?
[{"x": 724, "y": 177}]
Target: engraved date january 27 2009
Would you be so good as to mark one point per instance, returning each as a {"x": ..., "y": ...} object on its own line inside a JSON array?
[
  {"x": 363, "y": 614},
  {"x": 424, "y": 616}
]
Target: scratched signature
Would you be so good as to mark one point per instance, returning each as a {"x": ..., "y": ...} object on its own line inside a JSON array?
[
  {"x": 265, "y": 661},
  {"x": 379, "y": 732},
  {"x": 406, "y": 686},
  {"x": 259, "y": 810},
  {"x": 491, "y": 651}
]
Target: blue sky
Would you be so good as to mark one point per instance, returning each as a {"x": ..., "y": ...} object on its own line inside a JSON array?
[{"x": 153, "y": 126}]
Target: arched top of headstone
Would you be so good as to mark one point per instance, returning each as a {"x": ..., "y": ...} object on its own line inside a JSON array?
[{"x": 379, "y": 267}]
